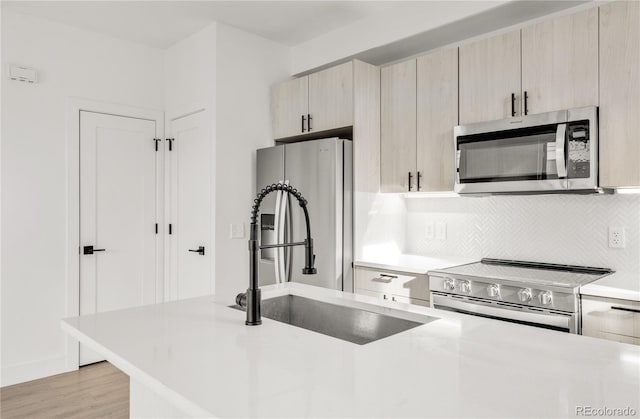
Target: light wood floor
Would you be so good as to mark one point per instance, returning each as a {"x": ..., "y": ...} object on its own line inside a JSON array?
[{"x": 95, "y": 391}]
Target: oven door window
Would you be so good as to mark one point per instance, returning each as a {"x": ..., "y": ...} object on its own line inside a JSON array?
[{"x": 505, "y": 156}]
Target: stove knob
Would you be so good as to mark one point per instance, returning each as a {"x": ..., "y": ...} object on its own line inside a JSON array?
[
  {"x": 525, "y": 295},
  {"x": 545, "y": 297},
  {"x": 449, "y": 284},
  {"x": 465, "y": 286},
  {"x": 493, "y": 290}
]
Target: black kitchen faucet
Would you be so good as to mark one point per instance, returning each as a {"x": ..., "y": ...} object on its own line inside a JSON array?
[{"x": 251, "y": 299}]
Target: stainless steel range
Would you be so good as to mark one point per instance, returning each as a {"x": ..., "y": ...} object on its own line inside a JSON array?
[{"x": 537, "y": 294}]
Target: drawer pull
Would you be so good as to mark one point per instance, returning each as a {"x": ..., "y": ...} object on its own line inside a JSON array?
[
  {"x": 633, "y": 310},
  {"x": 384, "y": 278}
]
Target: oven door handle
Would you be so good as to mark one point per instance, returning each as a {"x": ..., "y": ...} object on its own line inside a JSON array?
[
  {"x": 561, "y": 163},
  {"x": 563, "y": 321}
]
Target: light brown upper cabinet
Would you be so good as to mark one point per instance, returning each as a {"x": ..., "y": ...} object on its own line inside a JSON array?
[
  {"x": 437, "y": 110},
  {"x": 620, "y": 94},
  {"x": 560, "y": 63},
  {"x": 331, "y": 98},
  {"x": 398, "y": 127},
  {"x": 490, "y": 78},
  {"x": 419, "y": 107},
  {"x": 345, "y": 97},
  {"x": 317, "y": 102},
  {"x": 289, "y": 107},
  {"x": 548, "y": 66}
]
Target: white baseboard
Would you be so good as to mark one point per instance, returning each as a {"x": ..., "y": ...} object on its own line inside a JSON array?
[{"x": 15, "y": 374}]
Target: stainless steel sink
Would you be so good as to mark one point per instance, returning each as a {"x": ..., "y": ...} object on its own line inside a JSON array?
[{"x": 347, "y": 323}]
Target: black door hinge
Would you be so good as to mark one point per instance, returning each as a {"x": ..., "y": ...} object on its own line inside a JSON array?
[
  {"x": 170, "y": 229},
  {"x": 157, "y": 140},
  {"x": 156, "y": 228},
  {"x": 170, "y": 143}
]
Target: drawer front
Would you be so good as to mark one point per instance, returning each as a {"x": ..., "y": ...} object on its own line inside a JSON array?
[
  {"x": 377, "y": 294},
  {"x": 415, "y": 301},
  {"x": 611, "y": 319},
  {"x": 398, "y": 283},
  {"x": 392, "y": 297}
]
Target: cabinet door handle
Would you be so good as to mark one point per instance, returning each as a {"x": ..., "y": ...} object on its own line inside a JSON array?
[
  {"x": 384, "y": 278},
  {"x": 393, "y": 298},
  {"x": 410, "y": 178},
  {"x": 309, "y": 118},
  {"x": 302, "y": 123},
  {"x": 513, "y": 104},
  {"x": 632, "y": 310},
  {"x": 526, "y": 105},
  {"x": 418, "y": 176}
]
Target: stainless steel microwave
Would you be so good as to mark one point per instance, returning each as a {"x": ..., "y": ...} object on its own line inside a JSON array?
[{"x": 548, "y": 152}]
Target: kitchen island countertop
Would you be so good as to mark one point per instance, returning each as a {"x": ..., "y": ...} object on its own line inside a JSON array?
[{"x": 198, "y": 355}]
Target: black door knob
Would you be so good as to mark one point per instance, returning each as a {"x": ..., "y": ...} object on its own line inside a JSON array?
[
  {"x": 88, "y": 250},
  {"x": 199, "y": 250}
]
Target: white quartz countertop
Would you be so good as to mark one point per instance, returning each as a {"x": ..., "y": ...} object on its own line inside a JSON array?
[
  {"x": 616, "y": 285},
  {"x": 199, "y": 354},
  {"x": 414, "y": 264}
]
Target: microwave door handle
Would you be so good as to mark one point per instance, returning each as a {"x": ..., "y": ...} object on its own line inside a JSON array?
[{"x": 561, "y": 163}]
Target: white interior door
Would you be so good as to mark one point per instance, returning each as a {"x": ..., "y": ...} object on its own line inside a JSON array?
[
  {"x": 118, "y": 214},
  {"x": 190, "y": 208}
]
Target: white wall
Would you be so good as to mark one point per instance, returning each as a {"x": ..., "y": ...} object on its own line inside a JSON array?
[
  {"x": 190, "y": 73},
  {"x": 71, "y": 62},
  {"x": 221, "y": 68},
  {"x": 229, "y": 71},
  {"x": 247, "y": 66},
  {"x": 190, "y": 86},
  {"x": 381, "y": 29}
]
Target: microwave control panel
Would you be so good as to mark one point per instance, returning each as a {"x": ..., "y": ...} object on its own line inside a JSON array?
[{"x": 579, "y": 150}]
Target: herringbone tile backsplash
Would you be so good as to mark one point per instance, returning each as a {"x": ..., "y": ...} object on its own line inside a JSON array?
[{"x": 570, "y": 229}]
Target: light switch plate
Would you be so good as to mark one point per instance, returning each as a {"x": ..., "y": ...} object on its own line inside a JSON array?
[
  {"x": 441, "y": 231},
  {"x": 237, "y": 231},
  {"x": 429, "y": 230}
]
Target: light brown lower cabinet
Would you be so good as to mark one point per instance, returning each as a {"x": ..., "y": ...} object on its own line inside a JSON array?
[
  {"x": 392, "y": 286},
  {"x": 611, "y": 319}
]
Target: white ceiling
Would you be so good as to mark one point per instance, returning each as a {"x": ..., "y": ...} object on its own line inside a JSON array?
[{"x": 162, "y": 23}]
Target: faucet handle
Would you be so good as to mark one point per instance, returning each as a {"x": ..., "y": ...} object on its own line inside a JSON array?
[{"x": 241, "y": 299}]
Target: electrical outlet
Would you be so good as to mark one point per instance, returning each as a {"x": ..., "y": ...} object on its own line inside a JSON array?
[
  {"x": 429, "y": 230},
  {"x": 616, "y": 238},
  {"x": 236, "y": 231},
  {"x": 441, "y": 231}
]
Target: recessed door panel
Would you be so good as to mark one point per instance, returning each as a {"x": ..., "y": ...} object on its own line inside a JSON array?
[
  {"x": 190, "y": 208},
  {"x": 118, "y": 206}
]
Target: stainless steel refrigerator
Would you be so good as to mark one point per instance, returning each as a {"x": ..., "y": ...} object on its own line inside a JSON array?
[{"x": 322, "y": 171}]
